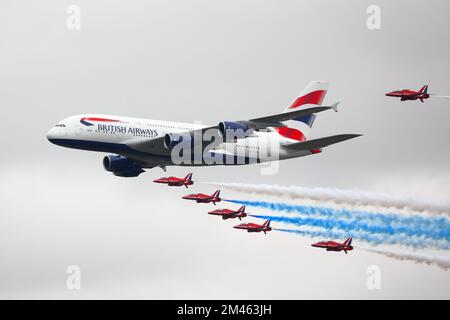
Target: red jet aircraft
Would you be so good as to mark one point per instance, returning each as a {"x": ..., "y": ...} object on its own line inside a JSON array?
[
  {"x": 204, "y": 198},
  {"x": 176, "y": 182},
  {"x": 407, "y": 94},
  {"x": 335, "y": 246},
  {"x": 254, "y": 227},
  {"x": 230, "y": 214}
]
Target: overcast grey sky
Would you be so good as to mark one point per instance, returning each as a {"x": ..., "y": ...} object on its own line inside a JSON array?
[{"x": 211, "y": 61}]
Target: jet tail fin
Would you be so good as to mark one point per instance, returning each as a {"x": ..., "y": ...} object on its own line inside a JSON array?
[
  {"x": 348, "y": 242},
  {"x": 424, "y": 89},
  {"x": 266, "y": 223},
  {"x": 241, "y": 209},
  {"x": 216, "y": 194},
  {"x": 313, "y": 94},
  {"x": 188, "y": 177}
]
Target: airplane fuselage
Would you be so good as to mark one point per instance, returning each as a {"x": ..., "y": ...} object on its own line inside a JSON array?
[
  {"x": 411, "y": 95},
  {"x": 119, "y": 135},
  {"x": 333, "y": 246}
]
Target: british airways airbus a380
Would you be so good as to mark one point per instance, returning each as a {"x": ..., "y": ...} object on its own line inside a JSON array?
[{"x": 136, "y": 144}]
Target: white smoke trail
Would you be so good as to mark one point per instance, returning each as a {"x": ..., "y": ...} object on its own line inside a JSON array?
[
  {"x": 440, "y": 96},
  {"x": 340, "y": 196},
  {"x": 440, "y": 261}
]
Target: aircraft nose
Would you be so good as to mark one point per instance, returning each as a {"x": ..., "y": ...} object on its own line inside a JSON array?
[{"x": 52, "y": 134}]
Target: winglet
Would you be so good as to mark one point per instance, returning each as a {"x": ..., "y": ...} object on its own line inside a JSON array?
[{"x": 335, "y": 106}]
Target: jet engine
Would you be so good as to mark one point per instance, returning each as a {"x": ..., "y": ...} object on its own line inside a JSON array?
[
  {"x": 172, "y": 139},
  {"x": 121, "y": 166},
  {"x": 236, "y": 130}
]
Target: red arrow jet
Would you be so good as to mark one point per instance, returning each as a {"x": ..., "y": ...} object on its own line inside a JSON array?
[
  {"x": 407, "y": 94},
  {"x": 254, "y": 227},
  {"x": 335, "y": 246},
  {"x": 230, "y": 214},
  {"x": 204, "y": 198},
  {"x": 176, "y": 182}
]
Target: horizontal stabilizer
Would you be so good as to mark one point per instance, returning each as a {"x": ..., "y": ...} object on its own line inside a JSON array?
[
  {"x": 264, "y": 122},
  {"x": 319, "y": 143}
]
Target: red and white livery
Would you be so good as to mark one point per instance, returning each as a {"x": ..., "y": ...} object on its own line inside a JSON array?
[
  {"x": 204, "y": 198},
  {"x": 176, "y": 182},
  {"x": 254, "y": 227},
  {"x": 229, "y": 214},
  {"x": 335, "y": 246},
  {"x": 407, "y": 94}
]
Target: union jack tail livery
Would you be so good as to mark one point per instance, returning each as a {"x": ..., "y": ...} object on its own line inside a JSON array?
[
  {"x": 314, "y": 93},
  {"x": 312, "y": 96}
]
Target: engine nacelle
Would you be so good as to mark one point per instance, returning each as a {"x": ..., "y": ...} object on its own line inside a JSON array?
[
  {"x": 121, "y": 166},
  {"x": 172, "y": 139},
  {"x": 235, "y": 129}
]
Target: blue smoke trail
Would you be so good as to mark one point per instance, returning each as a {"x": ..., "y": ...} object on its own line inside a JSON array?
[
  {"x": 436, "y": 227},
  {"x": 374, "y": 239},
  {"x": 363, "y": 232},
  {"x": 334, "y": 234}
]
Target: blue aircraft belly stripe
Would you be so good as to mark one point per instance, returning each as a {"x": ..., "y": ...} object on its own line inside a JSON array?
[
  {"x": 120, "y": 148},
  {"x": 92, "y": 145},
  {"x": 117, "y": 148}
]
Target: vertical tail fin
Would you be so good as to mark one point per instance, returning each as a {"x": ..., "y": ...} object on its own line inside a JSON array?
[
  {"x": 188, "y": 177},
  {"x": 348, "y": 242},
  {"x": 312, "y": 95},
  {"x": 424, "y": 89},
  {"x": 216, "y": 194},
  {"x": 266, "y": 223},
  {"x": 241, "y": 209}
]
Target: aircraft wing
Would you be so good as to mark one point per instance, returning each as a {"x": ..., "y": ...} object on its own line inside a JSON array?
[
  {"x": 276, "y": 119},
  {"x": 319, "y": 143},
  {"x": 156, "y": 145}
]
